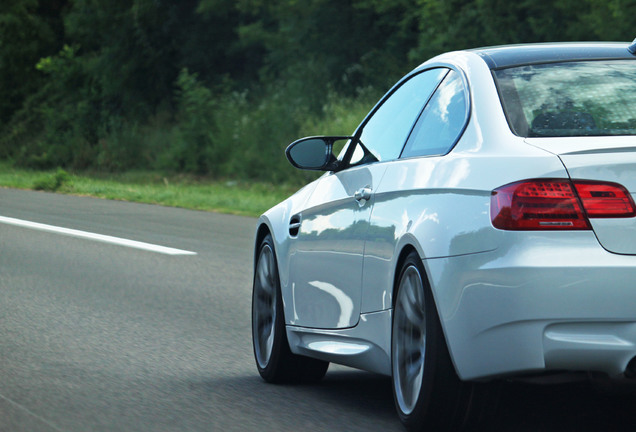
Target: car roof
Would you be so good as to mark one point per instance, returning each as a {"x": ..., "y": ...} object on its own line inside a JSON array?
[{"x": 518, "y": 55}]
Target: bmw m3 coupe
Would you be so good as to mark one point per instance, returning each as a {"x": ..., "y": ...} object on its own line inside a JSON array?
[{"x": 478, "y": 224}]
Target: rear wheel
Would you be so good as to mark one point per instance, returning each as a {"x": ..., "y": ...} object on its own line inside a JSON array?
[
  {"x": 274, "y": 360},
  {"x": 428, "y": 393}
]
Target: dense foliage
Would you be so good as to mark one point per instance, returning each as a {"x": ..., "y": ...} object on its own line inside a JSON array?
[{"x": 219, "y": 87}]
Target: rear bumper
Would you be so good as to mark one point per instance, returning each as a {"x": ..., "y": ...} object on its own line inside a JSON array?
[{"x": 543, "y": 302}]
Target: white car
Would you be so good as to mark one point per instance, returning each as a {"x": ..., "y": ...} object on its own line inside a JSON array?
[{"x": 478, "y": 224}]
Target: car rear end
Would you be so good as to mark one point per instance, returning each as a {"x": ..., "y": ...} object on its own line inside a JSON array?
[{"x": 559, "y": 293}]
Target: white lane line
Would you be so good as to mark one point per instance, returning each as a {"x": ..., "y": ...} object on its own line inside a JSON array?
[
  {"x": 97, "y": 237},
  {"x": 31, "y": 413}
]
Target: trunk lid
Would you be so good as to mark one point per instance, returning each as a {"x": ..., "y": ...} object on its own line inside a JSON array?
[{"x": 606, "y": 159}]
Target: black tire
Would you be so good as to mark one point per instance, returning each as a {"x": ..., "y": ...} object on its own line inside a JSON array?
[
  {"x": 274, "y": 360},
  {"x": 428, "y": 394}
]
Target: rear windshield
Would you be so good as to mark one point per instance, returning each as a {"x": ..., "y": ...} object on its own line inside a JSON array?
[{"x": 570, "y": 99}]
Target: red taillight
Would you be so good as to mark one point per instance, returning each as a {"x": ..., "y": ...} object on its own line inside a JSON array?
[
  {"x": 558, "y": 204},
  {"x": 537, "y": 205},
  {"x": 605, "y": 200}
]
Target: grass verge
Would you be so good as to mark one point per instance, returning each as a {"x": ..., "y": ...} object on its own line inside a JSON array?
[{"x": 248, "y": 199}]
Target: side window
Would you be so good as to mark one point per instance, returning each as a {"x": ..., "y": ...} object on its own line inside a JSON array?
[
  {"x": 441, "y": 122},
  {"x": 384, "y": 134}
]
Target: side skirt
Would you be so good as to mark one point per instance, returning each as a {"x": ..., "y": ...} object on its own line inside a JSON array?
[{"x": 366, "y": 346}]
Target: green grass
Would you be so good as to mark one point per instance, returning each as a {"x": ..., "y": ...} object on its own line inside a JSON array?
[{"x": 249, "y": 199}]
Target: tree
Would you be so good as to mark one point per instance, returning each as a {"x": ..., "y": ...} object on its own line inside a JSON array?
[{"x": 29, "y": 30}]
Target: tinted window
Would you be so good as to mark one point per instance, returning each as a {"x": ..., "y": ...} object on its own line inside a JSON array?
[
  {"x": 386, "y": 131},
  {"x": 570, "y": 99},
  {"x": 441, "y": 122}
]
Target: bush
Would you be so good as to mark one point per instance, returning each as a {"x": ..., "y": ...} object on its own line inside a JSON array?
[
  {"x": 219, "y": 133},
  {"x": 52, "y": 182},
  {"x": 195, "y": 150}
]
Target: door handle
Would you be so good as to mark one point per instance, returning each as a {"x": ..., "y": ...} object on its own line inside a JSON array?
[{"x": 363, "y": 194}]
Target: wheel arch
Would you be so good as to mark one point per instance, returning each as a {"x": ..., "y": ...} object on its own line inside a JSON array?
[
  {"x": 261, "y": 232},
  {"x": 405, "y": 251},
  {"x": 407, "y": 243}
]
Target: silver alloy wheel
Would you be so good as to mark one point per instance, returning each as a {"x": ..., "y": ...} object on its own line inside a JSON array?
[
  {"x": 409, "y": 340},
  {"x": 264, "y": 306}
]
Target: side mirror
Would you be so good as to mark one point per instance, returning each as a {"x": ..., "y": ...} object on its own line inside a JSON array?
[{"x": 314, "y": 153}]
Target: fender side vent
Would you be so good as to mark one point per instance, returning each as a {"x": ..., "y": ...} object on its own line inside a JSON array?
[{"x": 294, "y": 225}]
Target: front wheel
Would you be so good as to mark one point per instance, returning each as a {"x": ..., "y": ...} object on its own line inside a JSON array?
[
  {"x": 274, "y": 360},
  {"x": 428, "y": 393}
]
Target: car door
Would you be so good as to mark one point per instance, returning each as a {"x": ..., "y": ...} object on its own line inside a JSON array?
[
  {"x": 413, "y": 187},
  {"x": 327, "y": 249}
]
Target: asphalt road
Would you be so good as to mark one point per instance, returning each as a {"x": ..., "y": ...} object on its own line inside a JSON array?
[{"x": 102, "y": 337}]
